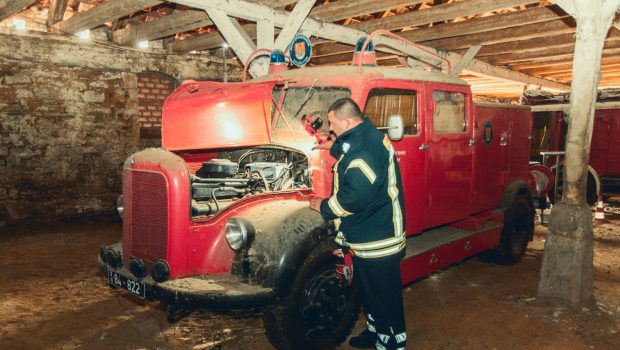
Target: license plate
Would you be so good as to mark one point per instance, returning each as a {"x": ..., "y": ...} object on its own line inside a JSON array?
[{"x": 132, "y": 286}]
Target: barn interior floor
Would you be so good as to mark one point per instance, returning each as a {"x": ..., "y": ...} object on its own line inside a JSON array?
[{"x": 53, "y": 297}]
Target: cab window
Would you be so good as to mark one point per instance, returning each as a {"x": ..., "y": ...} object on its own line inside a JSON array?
[
  {"x": 382, "y": 103},
  {"x": 449, "y": 114}
]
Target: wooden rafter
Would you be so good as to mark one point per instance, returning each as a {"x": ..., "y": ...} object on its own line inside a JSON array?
[
  {"x": 110, "y": 10},
  {"x": 330, "y": 12},
  {"x": 177, "y": 22},
  {"x": 10, "y": 7}
]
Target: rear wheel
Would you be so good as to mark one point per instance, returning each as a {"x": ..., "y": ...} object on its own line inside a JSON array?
[
  {"x": 319, "y": 311},
  {"x": 517, "y": 232}
]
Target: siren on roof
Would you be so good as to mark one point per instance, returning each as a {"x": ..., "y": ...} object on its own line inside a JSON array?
[
  {"x": 277, "y": 62},
  {"x": 368, "y": 57}
]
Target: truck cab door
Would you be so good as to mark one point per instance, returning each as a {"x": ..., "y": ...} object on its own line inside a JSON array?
[
  {"x": 385, "y": 98},
  {"x": 449, "y": 146}
]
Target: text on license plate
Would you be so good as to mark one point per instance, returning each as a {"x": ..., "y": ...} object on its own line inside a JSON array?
[{"x": 132, "y": 286}]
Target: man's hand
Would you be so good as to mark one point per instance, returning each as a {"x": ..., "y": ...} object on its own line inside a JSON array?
[
  {"x": 327, "y": 144},
  {"x": 315, "y": 203}
]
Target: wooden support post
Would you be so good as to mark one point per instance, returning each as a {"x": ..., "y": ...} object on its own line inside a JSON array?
[
  {"x": 567, "y": 271},
  {"x": 467, "y": 57},
  {"x": 56, "y": 11}
]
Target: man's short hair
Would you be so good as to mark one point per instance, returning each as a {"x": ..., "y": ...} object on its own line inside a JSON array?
[{"x": 345, "y": 108}]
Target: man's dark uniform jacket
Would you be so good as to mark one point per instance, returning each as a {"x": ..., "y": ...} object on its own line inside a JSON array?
[{"x": 367, "y": 203}]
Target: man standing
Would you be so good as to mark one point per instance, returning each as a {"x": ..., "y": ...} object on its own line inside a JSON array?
[{"x": 367, "y": 207}]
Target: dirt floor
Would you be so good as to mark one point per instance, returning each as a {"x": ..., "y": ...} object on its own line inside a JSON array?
[{"x": 52, "y": 297}]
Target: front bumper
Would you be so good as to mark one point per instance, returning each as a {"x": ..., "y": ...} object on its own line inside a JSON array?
[{"x": 201, "y": 292}]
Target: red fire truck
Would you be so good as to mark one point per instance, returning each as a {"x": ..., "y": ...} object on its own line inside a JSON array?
[
  {"x": 219, "y": 217},
  {"x": 549, "y": 130}
]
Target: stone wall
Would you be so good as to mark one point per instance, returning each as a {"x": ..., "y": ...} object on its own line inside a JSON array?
[{"x": 69, "y": 118}]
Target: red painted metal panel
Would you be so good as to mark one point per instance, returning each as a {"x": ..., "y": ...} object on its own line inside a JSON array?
[
  {"x": 424, "y": 264},
  {"x": 449, "y": 164},
  {"x": 605, "y": 149},
  {"x": 217, "y": 115}
]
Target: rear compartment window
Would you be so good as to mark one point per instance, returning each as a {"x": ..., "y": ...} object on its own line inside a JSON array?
[
  {"x": 309, "y": 101},
  {"x": 382, "y": 103},
  {"x": 449, "y": 115}
]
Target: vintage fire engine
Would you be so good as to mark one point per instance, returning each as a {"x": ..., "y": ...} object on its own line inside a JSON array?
[{"x": 219, "y": 217}]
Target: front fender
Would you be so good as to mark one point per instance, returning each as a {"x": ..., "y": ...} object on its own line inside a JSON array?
[{"x": 286, "y": 232}]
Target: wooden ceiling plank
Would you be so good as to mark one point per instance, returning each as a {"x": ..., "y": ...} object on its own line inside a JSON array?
[
  {"x": 11, "y": 7},
  {"x": 98, "y": 15},
  {"x": 547, "y": 41},
  {"x": 437, "y": 13},
  {"x": 525, "y": 32},
  {"x": 177, "y": 22},
  {"x": 552, "y": 63},
  {"x": 339, "y": 10},
  {"x": 544, "y": 54},
  {"x": 486, "y": 24},
  {"x": 485, "y": 30},
  {"x": 56, "y": 11}
]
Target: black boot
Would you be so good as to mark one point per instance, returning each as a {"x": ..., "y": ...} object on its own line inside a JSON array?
[{"x": 365, "y": 340}]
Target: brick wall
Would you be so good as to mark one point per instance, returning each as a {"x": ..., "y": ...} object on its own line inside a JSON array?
[{"x": 69, "y": 116}]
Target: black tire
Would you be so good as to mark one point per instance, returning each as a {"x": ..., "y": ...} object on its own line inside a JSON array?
[
  {"x": 517, "y": 232},
  {"x": 319, "y": 311}
]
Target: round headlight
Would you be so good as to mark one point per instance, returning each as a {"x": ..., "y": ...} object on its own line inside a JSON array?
[
  {"x": 119, "y": 205},
  {"x": 239, "y": 233}
]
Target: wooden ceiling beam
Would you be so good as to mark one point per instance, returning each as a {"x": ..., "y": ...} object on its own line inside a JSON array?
[
  {"x": 438, "y": 13},
  {"x": 98, "y": 15},
  {"x": 330, "y": 12},
  {"x": 177, "y": 22},
  {"x": 552, "y": 63},
  {"x": 10, "y": 7},
  {"x": 56, "y": 11},
  {"x": 547, "y": 54}
]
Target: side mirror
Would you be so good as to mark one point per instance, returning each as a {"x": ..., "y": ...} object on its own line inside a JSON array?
[{"x": 395, "y": 127}]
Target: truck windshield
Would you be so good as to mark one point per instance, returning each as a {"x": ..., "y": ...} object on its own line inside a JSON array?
[{"x": 309, "y": 100}]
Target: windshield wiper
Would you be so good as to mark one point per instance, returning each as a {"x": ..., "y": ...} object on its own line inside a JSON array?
[{"x": 307, "y": 98}]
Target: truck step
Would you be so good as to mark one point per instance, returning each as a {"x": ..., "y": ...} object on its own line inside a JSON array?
[{"x": 438, "y": 248}]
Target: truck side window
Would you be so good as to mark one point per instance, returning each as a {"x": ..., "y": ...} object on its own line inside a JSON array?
[
  {"x": 449, "y": 115},
  {"x": 382, "y": 103}
]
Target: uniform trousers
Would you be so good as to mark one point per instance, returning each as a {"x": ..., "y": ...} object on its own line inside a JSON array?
[{"x": 378, "y": 281}]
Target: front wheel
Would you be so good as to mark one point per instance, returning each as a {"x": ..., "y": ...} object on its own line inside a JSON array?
[{"x": 319, "y": 311}]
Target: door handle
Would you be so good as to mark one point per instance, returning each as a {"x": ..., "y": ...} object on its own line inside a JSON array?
[
  {"x": 423, "y": 147},
  {"x": 472, "y": 142}
]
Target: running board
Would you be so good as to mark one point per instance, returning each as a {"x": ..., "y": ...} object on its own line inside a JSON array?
[{"x": 437, "y": 248}]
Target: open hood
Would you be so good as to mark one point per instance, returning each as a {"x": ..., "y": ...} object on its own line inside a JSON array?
[{"x": 207, "y": 115}]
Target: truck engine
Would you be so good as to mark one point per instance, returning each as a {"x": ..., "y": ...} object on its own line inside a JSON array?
[{"x": 233, "y": 175}]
